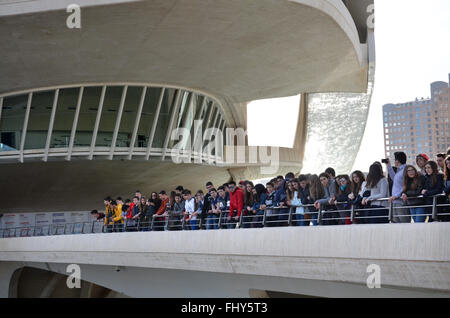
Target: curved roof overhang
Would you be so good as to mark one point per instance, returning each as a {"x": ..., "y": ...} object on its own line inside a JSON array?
[{"x": 235, "y": 50}]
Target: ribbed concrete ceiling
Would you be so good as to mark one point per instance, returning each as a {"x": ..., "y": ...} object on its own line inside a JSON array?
[{"x": 236, "y": 50}]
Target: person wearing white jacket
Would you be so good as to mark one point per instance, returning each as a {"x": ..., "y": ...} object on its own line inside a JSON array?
[{"x": 189, "y": 208}]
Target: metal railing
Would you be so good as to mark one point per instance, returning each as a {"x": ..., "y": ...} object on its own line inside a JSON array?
[{"x": 338, "y": 214}]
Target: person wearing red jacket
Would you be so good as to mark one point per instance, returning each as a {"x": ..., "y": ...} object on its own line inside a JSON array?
[
  {"x": 236, "y": 204},
  {"x": 159, "y": 216}
]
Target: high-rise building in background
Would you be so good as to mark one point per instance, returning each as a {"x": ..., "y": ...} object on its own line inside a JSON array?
[{"x": 419, "y": 126}]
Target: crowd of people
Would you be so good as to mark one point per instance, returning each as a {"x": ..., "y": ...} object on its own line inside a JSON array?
[{"x": 292, "y": 200}]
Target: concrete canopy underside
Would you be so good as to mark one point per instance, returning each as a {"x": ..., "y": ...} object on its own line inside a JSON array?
[
  {"x": 237, "y": 51},
  {"x": 82, "y": 185}
]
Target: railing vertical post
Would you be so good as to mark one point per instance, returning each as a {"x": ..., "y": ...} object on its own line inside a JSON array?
[
  {"x": 290, "y": 216},
  {"x": 240, "y": 218},
  {"x": 319, "y": 216},
  {"x": 183, "y": 221},
  {"x": 434, "y": 213},
  {"x": 220, "y": 220},
  {"x": 352, "y": 214},
  {"x": 391, "y": 211},
  {"x": 200, "y": 223},
  {"x": 264, "y": 218},
  {"x": 153, "y": 222},
  {"x": 166, "y": 223}
]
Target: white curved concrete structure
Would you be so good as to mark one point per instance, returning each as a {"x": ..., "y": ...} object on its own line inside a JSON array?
[
  {"x": 232, "y": 52},
  {"x": 329, "y": 261}
]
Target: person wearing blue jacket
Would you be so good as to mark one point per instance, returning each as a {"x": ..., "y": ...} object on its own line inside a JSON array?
[
  {"x": 260, "y": 199},
  {"x": 268, "y": 204},
  {"x": 212, "y": 218},
  {"x": 223, "y": 203}
]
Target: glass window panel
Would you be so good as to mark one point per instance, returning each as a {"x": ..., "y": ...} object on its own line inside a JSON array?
[
  {"x": 129, "y": 113},
  {"x": 87, "y": 116},
  {"x": 37, "y": 129},
  {"x": 168, "y": 103},
  {"x": 185, "y": 117},
  {"x": 148, "y": 114},
  {"x": 64, "y": 116},
  {"x": 11, "y": 122},
  {"x": 110, "y": 110}
]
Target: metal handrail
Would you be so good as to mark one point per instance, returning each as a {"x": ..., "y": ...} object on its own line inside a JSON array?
[{"x": 222, "y": 222}]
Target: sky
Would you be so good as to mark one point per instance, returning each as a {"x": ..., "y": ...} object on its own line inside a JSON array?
[{"x": 412, "y": 42}]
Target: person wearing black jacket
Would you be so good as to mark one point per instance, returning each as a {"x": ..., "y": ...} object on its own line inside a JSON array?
[
  {"x": 413, "y": 184},
  {"x": 305, "y": 196},
  {"x": 434, "y": 184},
  {"x": 343, "y": 189},
  {"x": 153, "y": 204},
  {"x": 207, "y": 205},
  {"x": 446, "y": 218}
]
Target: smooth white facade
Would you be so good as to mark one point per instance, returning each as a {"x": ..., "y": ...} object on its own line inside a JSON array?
[{"x": 414, "y": 260}]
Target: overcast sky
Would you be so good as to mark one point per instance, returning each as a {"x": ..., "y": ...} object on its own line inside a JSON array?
[{"x": 412, "y": 40}]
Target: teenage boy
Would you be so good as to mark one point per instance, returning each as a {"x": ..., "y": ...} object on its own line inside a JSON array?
[
  {"x": 158, "y": 217},
  {"x": 269, "y": 204},
  {"x": 97, "y": 216},
  {"x": 440, "y": 160},
  {"x": 189, "y": 209},
  {"x": 213, "y": 213},
  {"x": 138, "y": 194},
  {"x": 117, "y": 217},
  {"x": 400, "y": 215},
  {"x": 132, "y": 215},
  {"x": 201, "y": 206},
  {"x": 108, "y": 214},
  {"x": 223, "y": 202},
  {"x": 236, "y": 204},
  {"x": 280, "y": 198},
  {"x": 206, "y": 206}
]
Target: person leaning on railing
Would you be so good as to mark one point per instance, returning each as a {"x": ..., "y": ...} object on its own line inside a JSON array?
[
  {"x": 236, "y": 204},
  {"x": 223, "y": 203},
  {"x": 249, "y": 201},
  {"x": 142, "y": 218},
  {"x": 213, "y": 213},
  {"x": 446, "y": 218},
  {"x": 132, "y": 215},
  {"x": 295, "y": 201},
  {"x": 158, "y": 217},
  {"x": 413, "y": 184},
  {"x": 113, "y": 217},
  {"x": 269, "y": 203},
  {"x": 434, "y": 184},
  {"x": 378, "y": 186},
  {"x": 343, "y": 190},
  {"x": 401, "y": 215},
  {"x": 355, "y": 196},
  {"x": 175, "y": 214},
  {"x": 316, "y": 192},
  {"x": 326, "y": 203},
  {"x": 260, "y": 196}
]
